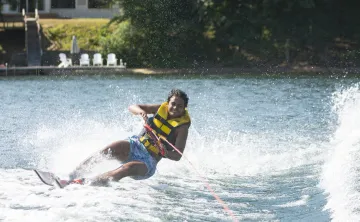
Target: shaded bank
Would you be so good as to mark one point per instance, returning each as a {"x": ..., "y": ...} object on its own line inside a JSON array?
[{"x": 76, "y": 70}]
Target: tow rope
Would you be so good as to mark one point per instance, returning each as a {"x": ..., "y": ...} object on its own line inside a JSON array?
[{"x": 158, "y": 144}]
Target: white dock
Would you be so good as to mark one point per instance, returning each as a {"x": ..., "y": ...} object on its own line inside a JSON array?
[{"x": 54, "y": 70}]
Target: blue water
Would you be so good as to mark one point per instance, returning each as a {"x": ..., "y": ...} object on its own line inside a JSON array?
[{"x": 273, "y": 148}]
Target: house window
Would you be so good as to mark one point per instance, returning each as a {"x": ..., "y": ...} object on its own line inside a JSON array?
[
  {"x": 100, "y": 3},
  {"x": 29, "y": 5},
  {"x": 40, "y": 4},
  {"x": 62, "y": 3}
]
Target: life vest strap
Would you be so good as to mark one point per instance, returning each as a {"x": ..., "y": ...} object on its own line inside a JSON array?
[
  {"x": 160, "y": 131},
  {"x": 163, "y": 121},
  {"x": 145, "y": 141}
]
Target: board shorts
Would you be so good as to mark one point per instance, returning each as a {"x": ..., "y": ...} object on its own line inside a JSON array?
[{"x": 138, "y": 152}]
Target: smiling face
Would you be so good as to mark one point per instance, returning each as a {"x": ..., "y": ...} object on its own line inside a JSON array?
[{"x": 176, "y": 107}]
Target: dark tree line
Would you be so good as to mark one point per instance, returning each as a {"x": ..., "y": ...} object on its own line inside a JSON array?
[{"x": 178, "y": 33}]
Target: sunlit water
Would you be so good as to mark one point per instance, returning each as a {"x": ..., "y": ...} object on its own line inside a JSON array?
[{"x": 272, "y": 148}]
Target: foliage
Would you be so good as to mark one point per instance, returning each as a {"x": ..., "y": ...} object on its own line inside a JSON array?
[
  {"x": 59, "y": 33},
  {"x": 122, "y": 42},
  {"x": 191, "y": 33},
  {"x": 163, "y": 31},
  {"x": 242, "y": 32}
]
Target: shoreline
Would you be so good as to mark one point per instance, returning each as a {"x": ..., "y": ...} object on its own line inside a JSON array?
[
  {"x": 77, "y": 70},
  {"x": 254, "y": 70}
]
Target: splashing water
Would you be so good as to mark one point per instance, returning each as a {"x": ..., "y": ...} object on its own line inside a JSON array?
[
  {"x": 263, "y": 163},
  {"x": 341, "y": 172}
]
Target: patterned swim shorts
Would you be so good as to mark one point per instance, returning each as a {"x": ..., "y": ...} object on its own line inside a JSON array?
[{"x": 138, "y": 152}]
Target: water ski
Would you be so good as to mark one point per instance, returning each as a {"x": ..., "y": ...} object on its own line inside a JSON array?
[{"x": 51, "y": 179}]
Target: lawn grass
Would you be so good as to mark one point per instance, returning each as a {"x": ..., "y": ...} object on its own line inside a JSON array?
[
  {"x": 80, "y": 21},
  {"x": 58, "y": 33}
]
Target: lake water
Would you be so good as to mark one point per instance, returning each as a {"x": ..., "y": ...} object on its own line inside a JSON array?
[{"x": 273, "y": 148}]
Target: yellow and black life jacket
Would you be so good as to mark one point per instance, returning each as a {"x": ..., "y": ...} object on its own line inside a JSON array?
[{"x": 163, "y": 126}]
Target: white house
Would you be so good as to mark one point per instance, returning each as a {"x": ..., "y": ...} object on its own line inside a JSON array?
[{"x": 65, "y": 8}]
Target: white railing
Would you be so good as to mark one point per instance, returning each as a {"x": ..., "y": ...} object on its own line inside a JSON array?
[{"x": 36, "y": 14}]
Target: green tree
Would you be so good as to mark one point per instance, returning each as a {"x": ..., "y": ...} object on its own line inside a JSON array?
[{"x": 164, "y": 33}]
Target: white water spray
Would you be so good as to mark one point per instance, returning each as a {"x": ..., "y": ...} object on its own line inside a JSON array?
[{"x": 341, "y": 172}]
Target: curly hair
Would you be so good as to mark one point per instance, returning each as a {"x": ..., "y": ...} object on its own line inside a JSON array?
[{"x": 179, "y": 93}]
